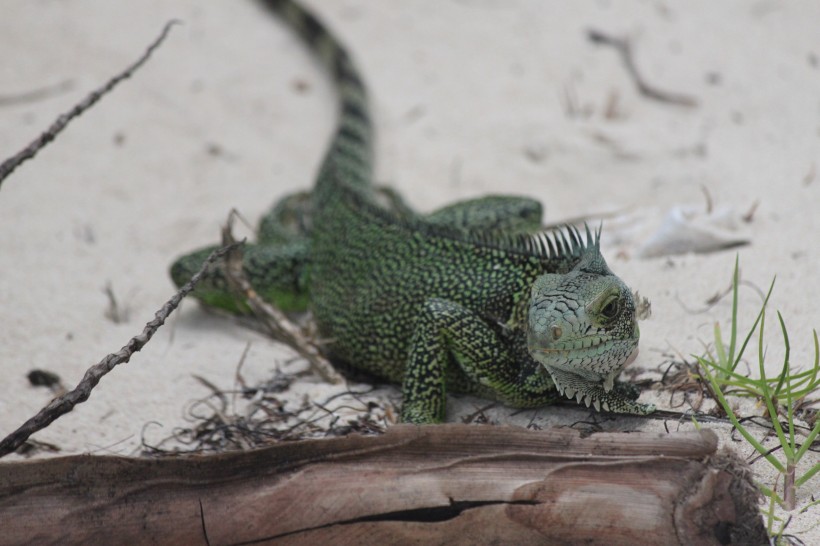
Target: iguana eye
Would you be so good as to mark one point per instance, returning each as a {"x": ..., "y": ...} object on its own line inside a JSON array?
[{"x": 610, "y": 309}]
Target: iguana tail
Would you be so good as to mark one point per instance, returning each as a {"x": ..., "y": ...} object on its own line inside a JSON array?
[
  {"x": 279, "y": 266},
  {"x": 348, "y": 160}
]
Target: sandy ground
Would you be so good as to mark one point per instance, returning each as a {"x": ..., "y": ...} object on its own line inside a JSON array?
[{"x": 470, "y": 97}]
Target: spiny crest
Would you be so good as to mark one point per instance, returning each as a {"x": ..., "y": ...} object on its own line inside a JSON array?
[{"x": 566, "y": 242}]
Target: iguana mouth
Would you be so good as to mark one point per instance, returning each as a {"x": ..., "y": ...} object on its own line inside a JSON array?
[
  {"x": 593, "y": 358},
  {"x": 577, "y": 344}
]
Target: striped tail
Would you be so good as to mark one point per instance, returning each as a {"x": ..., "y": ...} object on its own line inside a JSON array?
[{"x": 348, "y": 160}]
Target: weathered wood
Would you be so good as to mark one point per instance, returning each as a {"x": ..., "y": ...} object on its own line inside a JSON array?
[{"x": 447, "y": 484}]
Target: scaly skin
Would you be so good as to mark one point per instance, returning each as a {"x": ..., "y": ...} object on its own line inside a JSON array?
[{"x": 470, "y": 298}]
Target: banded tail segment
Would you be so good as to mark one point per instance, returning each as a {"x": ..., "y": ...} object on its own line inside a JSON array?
[{"x": 348, "y": 160}]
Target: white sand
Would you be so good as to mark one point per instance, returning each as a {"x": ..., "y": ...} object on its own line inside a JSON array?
[{"x": 469, "y": 99}]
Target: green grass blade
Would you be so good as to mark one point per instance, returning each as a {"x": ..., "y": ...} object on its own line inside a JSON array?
[
  {"x": 816, "y": 366},
  {"x": 806, "y": 376},
  {"x": 807, "y": 476},
  {"x": 732, "y": 382},
  {"x": 808, "y": 442},
  {"x": 733, "y": 338},
  {"x": 805, "y": 382},
  {"x": 767, "y": 396},
  {"x": 771, "y": 517},
  {"x": 761, "y": 355},
  {"x": 754, "y": 326},
  {"x": 736, "y": 388},
  {"x": 785, "y": 371},
  {"x": 733, "y": 379},
  {"x": 740, "y": 428},
  {"x": 768, "y": 492},
  {"x": 798, "y": 394},
  {"x": 720, "y": 349},
  {"x": 787, "y": 376},
  {"x": 778, "y": 428}
]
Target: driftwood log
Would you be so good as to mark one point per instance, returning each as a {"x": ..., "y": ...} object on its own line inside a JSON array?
[{"x": 448, "y": 484}]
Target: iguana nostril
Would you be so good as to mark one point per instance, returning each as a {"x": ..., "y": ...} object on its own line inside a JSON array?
[{"x": 557, "y": 332}]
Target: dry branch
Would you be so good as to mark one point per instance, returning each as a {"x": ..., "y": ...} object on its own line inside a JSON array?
[
  {"x": 624, "y": 48},
  {"x": 275, "y": 321},
  {"x": 447, "y": 484},
  {"x": 34, "y": 95},
  {"x": 65, "y": 403},
  {"x": 9, "y": 165}
]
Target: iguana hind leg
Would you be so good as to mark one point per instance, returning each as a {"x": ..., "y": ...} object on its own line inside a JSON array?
[
  {"x": 278, "y": 273},
  {"x": 277, "y": 266},
  {"x": 453, "y": 344}
]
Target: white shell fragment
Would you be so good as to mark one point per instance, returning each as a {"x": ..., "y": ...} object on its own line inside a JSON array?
[{"x": 688, "y": 228}]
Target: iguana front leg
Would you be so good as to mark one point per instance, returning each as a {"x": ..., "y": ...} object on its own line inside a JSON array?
[{"x": 450, "y": 335}]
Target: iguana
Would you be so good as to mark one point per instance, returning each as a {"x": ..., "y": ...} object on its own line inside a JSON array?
[{"x": 473, "y": 298}]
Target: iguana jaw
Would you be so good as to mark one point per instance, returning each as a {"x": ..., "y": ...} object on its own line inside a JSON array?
[
  {"x": 571, "y": 373},
  {"x": 593, "y": 394}
]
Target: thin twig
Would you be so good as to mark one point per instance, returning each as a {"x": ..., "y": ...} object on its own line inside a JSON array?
[
  {"x": 64, "y": 404},
  {"x": 36, "y": 94},
  {"x": 708, "y": 196},
  {"x": 277, "y": 324},
  {"x": 9, "y": 165},
  {"x": 115, "y": 313},
  {"x": 623, "y": 46}
]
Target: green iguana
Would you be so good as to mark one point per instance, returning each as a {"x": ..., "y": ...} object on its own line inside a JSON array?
[{"x": 473, "y": 298}]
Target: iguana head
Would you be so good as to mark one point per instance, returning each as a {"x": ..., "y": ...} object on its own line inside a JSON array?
[{"x": 583, "y": 329}]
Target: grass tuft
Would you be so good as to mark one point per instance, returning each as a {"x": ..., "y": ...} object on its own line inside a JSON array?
[{"x": 781, "y": 395}]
